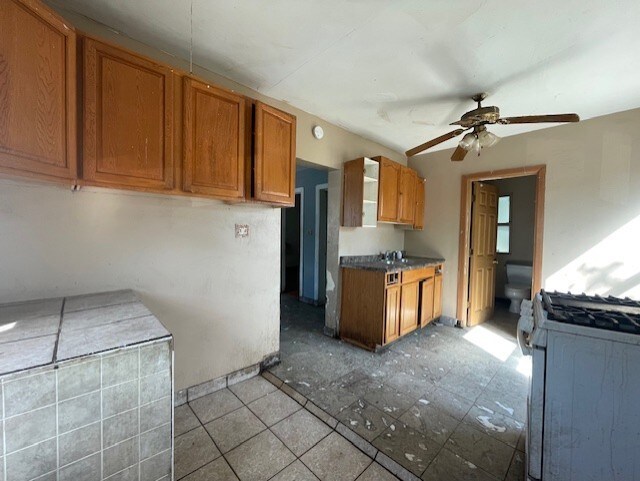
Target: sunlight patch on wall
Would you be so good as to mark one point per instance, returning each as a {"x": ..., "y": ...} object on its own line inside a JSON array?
[{"x": 611, "y": 267}]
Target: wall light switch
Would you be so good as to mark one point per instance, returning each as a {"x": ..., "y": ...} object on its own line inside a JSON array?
[{"x": 242, "y": 230}]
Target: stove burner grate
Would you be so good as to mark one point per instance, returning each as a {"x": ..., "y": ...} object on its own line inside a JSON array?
[{"x": 609, "y": 313}]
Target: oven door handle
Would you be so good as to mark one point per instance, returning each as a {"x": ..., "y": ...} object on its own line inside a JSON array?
[
  {"x": 525, "y": 347},
  {"x": 526, "y": 326}
]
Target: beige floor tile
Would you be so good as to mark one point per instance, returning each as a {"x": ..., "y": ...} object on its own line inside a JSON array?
[
  {"x": 300, "y": 431},
  {"x": 295, "y": 472},
  {"x": 336, "y": 459},
  {"x": 213, "y": 406},
  {"x": 453, "y": 467},
  {"x": 260, "y": 458},
  {"x": 184, "y": 420},
  {"x": 234, "y": 428},
  {"x": 375, "y": 472},
  {"x": 192, "y": 451},
  {"x": 480, "y": 449},
  {"x": 217, "y": 470},
  {"x": 274, "y": 407},
  {"x": 252, "y": 389}
]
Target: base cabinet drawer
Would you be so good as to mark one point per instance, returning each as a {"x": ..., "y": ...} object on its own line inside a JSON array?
[{"x": 415, "y": 275}]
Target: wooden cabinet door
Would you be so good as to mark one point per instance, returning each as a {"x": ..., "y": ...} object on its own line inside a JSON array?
[
  {"x": 214, "y": 141},
  {"x": 128, "y": 119},
  {"x": 352, "y": 193},
  {"x": 418, "y": 221},
  {"x": 37, "y": 91},
  {"x": 437, "y": 296},
  {"x": 274, "y": 155},
  {"x": 409, "y": 307},
  {"x": 426, "y": 301},
  {"x": 408, "y": 181},
  {"x": 388, "y": 190},
  {"x": 392, "y": 314}
]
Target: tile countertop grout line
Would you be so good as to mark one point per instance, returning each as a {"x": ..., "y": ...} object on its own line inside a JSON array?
[
  {"x": 106, "y": 323},
  {"x": 84, "y": 309},
  {"x": 55, "y": 347}
]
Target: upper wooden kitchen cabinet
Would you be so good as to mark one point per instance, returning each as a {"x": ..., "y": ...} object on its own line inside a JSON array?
[
  {"x": 37, "y": 92},
  {"x": 274, "y": 156},
  {"x": 407, "y": 201},
  {"x": 418, "y": 220},
  {"x": 127, "y": 120},
  {"x": 214, "y": 141},
  {"x": 388, "y": 190},
  {"x": 360, "y": 193}
]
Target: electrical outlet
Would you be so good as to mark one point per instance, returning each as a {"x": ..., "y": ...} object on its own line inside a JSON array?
[{"x": 242, "y": 230}]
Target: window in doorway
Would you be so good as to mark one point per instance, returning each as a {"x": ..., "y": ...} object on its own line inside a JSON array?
[{"x": 504, "y": 224}]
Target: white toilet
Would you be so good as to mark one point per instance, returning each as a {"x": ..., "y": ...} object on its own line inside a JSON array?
[{"x": 518, "y": 285}]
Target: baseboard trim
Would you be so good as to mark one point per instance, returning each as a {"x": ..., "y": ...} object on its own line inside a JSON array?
[{"x": 208, "y": 387}]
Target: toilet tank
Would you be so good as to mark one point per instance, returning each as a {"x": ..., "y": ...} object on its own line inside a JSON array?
[{"x": 519, "y": 273}]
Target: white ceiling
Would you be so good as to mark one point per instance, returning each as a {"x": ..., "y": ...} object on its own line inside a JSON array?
[{"x": 398, "y": 71}]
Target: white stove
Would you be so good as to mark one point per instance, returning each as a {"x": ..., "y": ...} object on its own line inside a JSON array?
[{"x": 583, "y": 414}]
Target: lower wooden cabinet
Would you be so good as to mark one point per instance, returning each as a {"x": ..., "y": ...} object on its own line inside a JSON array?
[
  {"x": 437, "y": 296},
  {"x": 392, "y": 314},
  {"x": 378, "y": 307},
  {"x": 426, "y": 301},
  {"x": 410, "y": 295}
]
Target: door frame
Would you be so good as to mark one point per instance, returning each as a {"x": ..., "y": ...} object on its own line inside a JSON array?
[
  {"x": 539, "y": 171},
  {"x": 300, "y": 190},
  {"x": 316, "y": 265}
]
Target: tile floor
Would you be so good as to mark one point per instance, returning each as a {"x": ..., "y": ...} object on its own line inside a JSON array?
[
  {"x": 440, "y": 404},
  {"x": 253, "y": 431},
  {"x": 445, "y": 403}
]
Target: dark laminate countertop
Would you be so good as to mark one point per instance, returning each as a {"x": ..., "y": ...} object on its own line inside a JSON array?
[
  {"x": 375, "y": 263},
  {"x": 45, "y": 332}
]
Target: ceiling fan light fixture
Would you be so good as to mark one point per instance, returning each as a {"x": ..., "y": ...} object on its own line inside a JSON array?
[
  {"x": 468, "y": 141},
  {"x": 487, "y": 139}
]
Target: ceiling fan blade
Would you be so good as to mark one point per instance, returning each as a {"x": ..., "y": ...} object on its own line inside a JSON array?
[
  {"x": 459, "y": 154},
  {"x": 466, "y": 123},
  {"x": 533, "y": 119},
  {"x": 431, "y": 143}
]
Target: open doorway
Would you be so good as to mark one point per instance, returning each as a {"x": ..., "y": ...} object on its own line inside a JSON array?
[
  {"x": 292, "y": 247},
  {"x": 501, "y": 242},
  {"x": 304, "y": 247}
]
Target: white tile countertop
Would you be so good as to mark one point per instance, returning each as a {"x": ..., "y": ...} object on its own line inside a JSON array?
[{"x": 45, "y": 332}]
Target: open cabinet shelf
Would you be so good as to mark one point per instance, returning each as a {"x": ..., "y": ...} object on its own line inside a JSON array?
[{"x": 360, "y": 204}]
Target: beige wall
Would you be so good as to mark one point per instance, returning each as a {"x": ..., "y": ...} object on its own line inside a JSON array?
[
  {"x": 592, "y": 209},
  {"x": 523, "y": 195},
  {"x": 219, "y": 296}
]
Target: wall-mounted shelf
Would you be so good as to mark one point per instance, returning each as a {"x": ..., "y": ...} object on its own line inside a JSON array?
[{"x": 360, "y": 206}]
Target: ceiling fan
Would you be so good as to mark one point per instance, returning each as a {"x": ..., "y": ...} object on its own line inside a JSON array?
[{"x": 477, "y": 121}]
